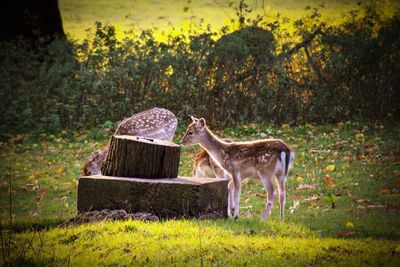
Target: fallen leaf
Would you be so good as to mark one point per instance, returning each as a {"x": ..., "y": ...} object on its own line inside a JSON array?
[
  {"x": 397, "y": 249},
  {"x": 59, "y": 170},
  {"x": 360, "y": 137},
  {"x": 341, "y": 144},
  {"x": 349, "y": 225},
  {"x": 299, "y": 179},
  {"x": 43, "y": 192},
  {"x": 285, "y": 126},
  {"x": 391, "y": 209},
  {"x": 296, "y": 205},
  {"x": 385, "y": 189},
  {"x": 314, "y": 197},
  {"x": 306, "y": 186},
  {"x": 376, "y": 206},
  {"x": 17, "y": 139},
  {"x": 345, "y": 234},
  {"x": 260, "y": 195},
  {"x": 330, "y": 168},
  {"x": 328, "y": 181}
]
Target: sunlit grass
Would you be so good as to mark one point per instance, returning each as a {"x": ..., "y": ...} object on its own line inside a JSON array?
[{"x": 197, "y": 243}]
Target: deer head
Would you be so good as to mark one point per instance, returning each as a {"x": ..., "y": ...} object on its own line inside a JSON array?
[
  {"x": 93, "y": 164},
  {"x": 194, "y": 132}
]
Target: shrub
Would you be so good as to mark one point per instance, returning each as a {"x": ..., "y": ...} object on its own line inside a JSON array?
[{"x": 250, "y": 73}]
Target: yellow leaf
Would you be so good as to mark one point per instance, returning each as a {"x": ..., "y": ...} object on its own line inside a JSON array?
[
  {"x": 285, "y": 126},
  {"x": 360, "y": 137},
  {"x": 330, "y": 168},
  {"x": 169, "y": 71},
  {"x": 59, "y": 170},
  {"x": 349, "y": 225},
  {"x": 299, "y": 179},
  {"x": 397, "y": 249}
]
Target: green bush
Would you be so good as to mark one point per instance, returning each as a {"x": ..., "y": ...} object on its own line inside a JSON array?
[{"x": 252, "y": 73}]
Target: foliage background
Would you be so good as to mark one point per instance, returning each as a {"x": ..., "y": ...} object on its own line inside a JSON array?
[{"x": 242, "y": 73}]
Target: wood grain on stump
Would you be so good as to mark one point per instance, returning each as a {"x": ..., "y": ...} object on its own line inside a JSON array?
[
  {"x": 166, "y": 198},
  {"x": 132, "y": 156}
]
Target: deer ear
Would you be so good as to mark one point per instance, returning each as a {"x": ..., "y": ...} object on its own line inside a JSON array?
[
  {"x": 194, "y": 119},
  {"x": 202, "y": 122}
]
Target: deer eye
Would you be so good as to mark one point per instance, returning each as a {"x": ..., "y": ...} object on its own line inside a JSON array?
[{"x": 190, "y": 133}]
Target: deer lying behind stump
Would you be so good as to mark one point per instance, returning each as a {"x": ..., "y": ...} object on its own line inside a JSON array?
[
  {"x": 156, "y": 123},
  {"x": 267, "y": 159},
  {"x": 204, "y": 166}
]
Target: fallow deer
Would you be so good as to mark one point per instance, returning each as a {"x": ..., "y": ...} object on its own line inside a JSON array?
[
  {"x": 156, "y": 123},
  {"x": 267, "y": 159}
]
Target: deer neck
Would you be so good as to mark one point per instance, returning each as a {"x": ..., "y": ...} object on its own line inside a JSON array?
[{"x": 214, "y": 146}]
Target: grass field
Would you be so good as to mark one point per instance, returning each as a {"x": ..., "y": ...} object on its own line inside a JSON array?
[
  {"x": 128, "y": 15},
  {"x": 343, "y": 204}
]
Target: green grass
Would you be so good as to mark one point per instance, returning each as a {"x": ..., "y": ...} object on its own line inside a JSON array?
[
  {"x": 366, "y": 195},
  {"x": 198, "y": 243},
  {"x": 128, "y": 15}
]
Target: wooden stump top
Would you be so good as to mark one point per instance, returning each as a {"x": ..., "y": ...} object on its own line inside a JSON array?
[
  {"x": 133, "y": 156},
  {"x": 177, "y": 180},
  {"x": 152, "y": 141}
]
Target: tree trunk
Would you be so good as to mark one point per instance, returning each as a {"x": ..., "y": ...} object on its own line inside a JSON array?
[
  {"x": 30, "y": 19},
  {"x": 131, "y": 156}
]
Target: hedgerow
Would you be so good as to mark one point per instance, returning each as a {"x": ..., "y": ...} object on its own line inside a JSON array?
[{"x": 254, "y": 70}]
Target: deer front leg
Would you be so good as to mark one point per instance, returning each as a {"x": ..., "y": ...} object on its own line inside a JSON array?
[
  {"x": 237, "y": 189},
  {"x": 231, "y": 204}
]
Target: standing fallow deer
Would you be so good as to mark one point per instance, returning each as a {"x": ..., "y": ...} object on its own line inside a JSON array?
[
  {"x": 268, "y": 159},
  {"x": 156, "y": 123}
]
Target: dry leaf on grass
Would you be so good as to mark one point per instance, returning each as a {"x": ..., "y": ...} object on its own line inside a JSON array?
[
  {"x": 328, "y": 181},
  {"x": 312, "y": 198},
  {"x": 306, "y": 186},
  {"x": 345, "y": 234},
  {"x": 296, "y": 205}
]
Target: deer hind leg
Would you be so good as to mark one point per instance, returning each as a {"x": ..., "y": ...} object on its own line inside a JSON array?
[
  {"x": 282, "y": 193},
  {"x": 266, "y": 180},
  {"x": 231, "y": 204}
]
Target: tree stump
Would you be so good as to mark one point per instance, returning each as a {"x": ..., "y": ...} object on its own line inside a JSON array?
[
  {"x": 167, "y": 198},
  {"x": 132, "y": 156}
]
